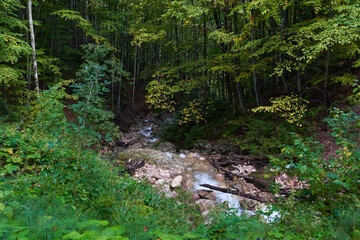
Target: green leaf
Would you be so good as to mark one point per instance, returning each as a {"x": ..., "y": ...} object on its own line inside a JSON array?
[
  {"x": 332, "y": 175},
  {"x": 16, "y": 159},
  {"x": 278, "y": 235},
  {"x": 10, "y": 168},
  {"x": 72, "y": 235},
  {"x": 111, "y": 231},
  {"x": 189, "y": 235},
  {"x": 92, "y": 223}
]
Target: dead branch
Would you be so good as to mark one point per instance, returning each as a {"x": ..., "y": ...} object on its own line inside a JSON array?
[
  {"x": 235, "y": 192},
  {"x": 259, "y": 183},
  {"x": 131, "y": 166}
]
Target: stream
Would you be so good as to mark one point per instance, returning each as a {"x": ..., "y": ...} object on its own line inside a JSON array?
[{"x": 167, "y": 169}]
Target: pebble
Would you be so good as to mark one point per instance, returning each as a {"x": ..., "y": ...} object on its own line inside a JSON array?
[{"x": 176, "y": 182}]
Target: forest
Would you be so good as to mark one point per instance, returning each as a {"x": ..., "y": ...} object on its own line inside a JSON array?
[{"x": 180, "y": 119}]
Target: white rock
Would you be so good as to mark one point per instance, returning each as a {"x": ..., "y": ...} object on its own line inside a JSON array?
[
  {"x": 176, "y": 182},
  {"x": 160, "y": 182},
  {"x": 220, "y": 177}
]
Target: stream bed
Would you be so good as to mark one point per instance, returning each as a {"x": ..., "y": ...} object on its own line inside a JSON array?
[{"x": 167, "y": 169}]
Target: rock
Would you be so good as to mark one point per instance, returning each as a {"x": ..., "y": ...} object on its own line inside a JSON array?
[
  {"x": 203, "y": 146},
  {"x": 246, "y": 188},
  {"x": 185, "y": 152},
  {"x": 196, "y": 196},
  {"x": 249, "y": 204},
  {"x": 205, "y": 204},
  {"x": 157, "y": 157},
  {"x": 165, "y": 174},
  {"x": 222, "y": 147},
  {"x": 166, "y": 147},
  {"x": 220, "y": 177},
  {"x": 193, "y": 155},
  {"x": 207, "y": 194},
  {"x": 118, "y": 149},
  {"x": 160, "y": 182},
  {"x": 176, "y": 182},
  {"x": 203, "y": 167}
]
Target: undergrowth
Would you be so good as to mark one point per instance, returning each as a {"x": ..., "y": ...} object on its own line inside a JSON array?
[{"x": 54, "y": 185}]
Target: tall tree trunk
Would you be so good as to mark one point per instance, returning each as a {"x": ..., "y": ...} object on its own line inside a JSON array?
[
  {"x": 326, "y": 81},
  {"x": 119, "y": 96},
  {"x": 134, "y": 82},
  {"x": 256, "y": 82},
  {"x": 32, "y": 40},
  {"x": 241, "y": 97},
  {"x": 283, "y": 21},
  {"x": 207, "y": 81}
]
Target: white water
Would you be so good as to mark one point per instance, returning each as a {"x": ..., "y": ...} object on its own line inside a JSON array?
[
  {"x": 147, "y": 131},
  {"x": 205, "y": 178},
  {"x": 153, "y": 140},
  {"x": 233, "y": 202}
]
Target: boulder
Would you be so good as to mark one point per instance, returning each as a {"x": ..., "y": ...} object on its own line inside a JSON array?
[
  {"x": 205, "y": 204},
  {"x": 166, "y": 147},
  {"x": 222, "y": 147},
  {"x": 203, "y": 146},
  {"x": 176, "y": 182},
  {"x": 207, "y": 194},
  {"x": 249, "y": 204},
  {"x": 157, "y": 157},
  {"x": 160, "y": 181}
]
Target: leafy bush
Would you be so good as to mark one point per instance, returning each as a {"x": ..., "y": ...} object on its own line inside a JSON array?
[
  {"x": 332, "y": 182},
  {"x": 187, "y": 133},
  {"x": 51, "y": 180},
  {"x": 3, "y": 109},
  {"x": 290, "y": 108},
  {"x": 263, "y": 137}
]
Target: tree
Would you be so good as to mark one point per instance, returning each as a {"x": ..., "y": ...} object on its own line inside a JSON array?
[{"x": 32, "y": 40}]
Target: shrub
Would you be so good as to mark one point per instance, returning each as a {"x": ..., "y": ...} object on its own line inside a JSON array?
[{"x": 332, "y": 182}]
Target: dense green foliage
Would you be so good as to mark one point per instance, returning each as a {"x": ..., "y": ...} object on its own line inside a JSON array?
[
  {"x": 54, "y": 185},
  {"x": 258, "y": 74}
]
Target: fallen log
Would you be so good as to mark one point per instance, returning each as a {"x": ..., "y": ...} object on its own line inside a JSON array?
[
  {"x": 259, "y": 183},
  {"x": 235, "y": 192},
  {"x": 131, "y": 142},
  {"x": 131, "y": 166},
  {"x": 257, "y": 161}
]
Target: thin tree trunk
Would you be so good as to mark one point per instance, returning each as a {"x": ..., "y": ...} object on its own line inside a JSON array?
[
  {"x": 32, "y": 40},
  {"x": 283, "y": 20},
  {"x": 113, "y": 91},
  {"x": 326, "y": 81},
  {"x": 134, "y": 82},
  {"x": 241, "y": 97},
  {"x": 282, "y": 75},
  {"x": 256, "y": 83},
  {"x": 119, "y": 96}
]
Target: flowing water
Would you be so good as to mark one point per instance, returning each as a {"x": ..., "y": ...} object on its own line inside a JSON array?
[{"x": 198, "y": 171}]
